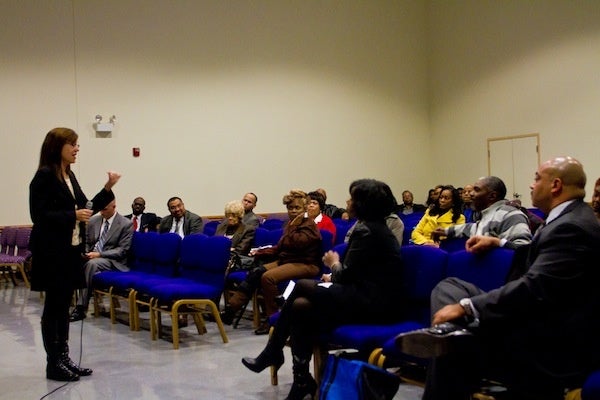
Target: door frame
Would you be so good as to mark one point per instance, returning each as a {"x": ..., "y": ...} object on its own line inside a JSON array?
[{"x": 495, "y": 139}]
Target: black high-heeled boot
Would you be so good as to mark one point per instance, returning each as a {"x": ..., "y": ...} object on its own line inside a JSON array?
[
  {"x": 270, "y": 356},
  {"x": 304, "y": 384}
]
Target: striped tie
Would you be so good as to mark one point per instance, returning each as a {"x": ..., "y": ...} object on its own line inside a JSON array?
[{"x": 103, "y": 236}]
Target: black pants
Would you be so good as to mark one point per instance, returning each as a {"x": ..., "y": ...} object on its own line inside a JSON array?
[{"x": 493, "y": 354}]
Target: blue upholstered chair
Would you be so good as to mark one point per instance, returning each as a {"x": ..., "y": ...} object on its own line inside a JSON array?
[
  {"x": 203, "y": 261},
  {"x": 272, "y": 224},
  {"x": 210, "y": 227},
  {"x": 454, "y": 244},
  {"x": 591, "y": 387},
  {"x": 410, "y": 222},
  {"x": 165, "y": 262},
  {"x": 487, "y": 271},
  {"x": 155, "y": 259},
  {"x": 143, "y": 246}
]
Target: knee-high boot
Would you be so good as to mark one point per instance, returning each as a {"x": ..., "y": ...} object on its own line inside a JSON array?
[
  {"x": 63, "y": 340},
  {"x": 304, "y": 384},
  {"x": 55, "y": 368}
]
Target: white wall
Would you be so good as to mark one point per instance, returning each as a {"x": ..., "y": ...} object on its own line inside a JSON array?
[
  {"x": 222, "y": 97},
  {"x": 503, "y": 68}
]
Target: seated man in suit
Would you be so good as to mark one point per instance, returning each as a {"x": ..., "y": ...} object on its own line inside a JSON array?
[
  {"x": 180, "y": 221},
  {"x": 142, "y": 221},
  {"x": 537, "y": 334},
  {"x": 108, "y": 240},
  {"x": 250, "y": 219}
]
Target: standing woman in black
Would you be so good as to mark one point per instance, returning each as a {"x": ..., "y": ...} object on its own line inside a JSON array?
[
  {"x": 58, "y": 211},
  {"x": 366, "y": 287}
]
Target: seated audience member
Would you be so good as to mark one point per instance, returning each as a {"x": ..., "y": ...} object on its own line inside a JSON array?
[
  {"x": 241, "y": 235},
  {"x": 141, "y": 221},
  {"x": 316, "y": 202},
  {"x": 330, "y": 210},
  {"x": 180, "y": 221},
  {"x": 507, "y": 225},
  {"x": 296, "y": 255},
  {"x": 467, "y": 203},
  {"x": 596, "y": 199},
  {"x": 393, "y": 221},
  {"x": 250, "y": 219},
  {"x": 444, "y": 213},
  {"x": 365, "y": 290},
  {"x": 434, "y": 194},
  {"x": 408, "y": 206},
  {"x": 536, "y": 335},
  {"x": 108, "y": 241}
]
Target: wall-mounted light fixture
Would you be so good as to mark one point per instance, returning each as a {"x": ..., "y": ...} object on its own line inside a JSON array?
[{"x": 105, "y": 127}]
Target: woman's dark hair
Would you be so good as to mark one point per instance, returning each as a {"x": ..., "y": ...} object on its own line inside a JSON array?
[
  {"x": 372, "y": 200},
  {"x": 429, "y": 200},
  {"x": 456, "y": 204},
  {"x": 318, "y": 197},
  {"x": 51, "y": 153}
]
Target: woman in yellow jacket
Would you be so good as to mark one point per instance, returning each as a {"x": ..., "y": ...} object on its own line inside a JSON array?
[{"x": 444, "y": 213}]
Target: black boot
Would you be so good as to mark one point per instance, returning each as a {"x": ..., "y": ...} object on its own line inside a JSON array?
[
  {"x": 71, "y": 366},
  {"x": 270, "y": 356},
  {"x": 303, "y": 384},
  {"x": 79, "y": 313},
  {"x": 55, "y": 369}
]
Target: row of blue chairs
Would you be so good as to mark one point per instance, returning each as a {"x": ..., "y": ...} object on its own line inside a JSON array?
[{"x": 169, "y": 275}]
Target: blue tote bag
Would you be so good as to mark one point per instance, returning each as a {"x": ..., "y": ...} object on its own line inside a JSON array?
[{"x": 345, "y": 379}]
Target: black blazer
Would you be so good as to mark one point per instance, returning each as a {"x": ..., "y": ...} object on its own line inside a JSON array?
[
  {"x": 148, "y": 222},
  {"x": 552, "y": 310},
  {"x": 52, "y": 210}
]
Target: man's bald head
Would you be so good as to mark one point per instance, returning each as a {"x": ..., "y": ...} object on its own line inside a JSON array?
[{"x": 570, "y": 172}]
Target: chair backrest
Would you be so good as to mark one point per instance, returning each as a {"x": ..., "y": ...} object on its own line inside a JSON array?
[
  {"x": 487, "y": 271},
  {"x": 204, "y": 259},
  {"x": 410, "y": 222},
  {"x": 166, "y": 254},
  {"x": 272, "y": 224},
  {"x": 424, "y": 267},
  {"x": 210, "y": 227},
  {"x": 22, "y": 241},
  {"x": 341, "y": 229},
  {"x": 264, "y": 237},
  {"x": 9, "y": 240},
  {"x": 454, "y": 244},
  {"x": 143, "y": 250}
]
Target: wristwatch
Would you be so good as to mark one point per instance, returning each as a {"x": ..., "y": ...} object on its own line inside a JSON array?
[{"x": 467, "y": 305}]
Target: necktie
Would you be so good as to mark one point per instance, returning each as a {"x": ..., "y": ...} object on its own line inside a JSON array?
[
  {"x": 135, "y": 223},
  {"x": 103, "y": 236},
  {"x": 176, "y": 230}
]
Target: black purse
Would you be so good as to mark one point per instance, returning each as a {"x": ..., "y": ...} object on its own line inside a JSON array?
[{"x": 238, "y": 262}]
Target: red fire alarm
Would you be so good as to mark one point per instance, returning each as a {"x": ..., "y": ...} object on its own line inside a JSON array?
[{"x": 136, "y": 151}]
